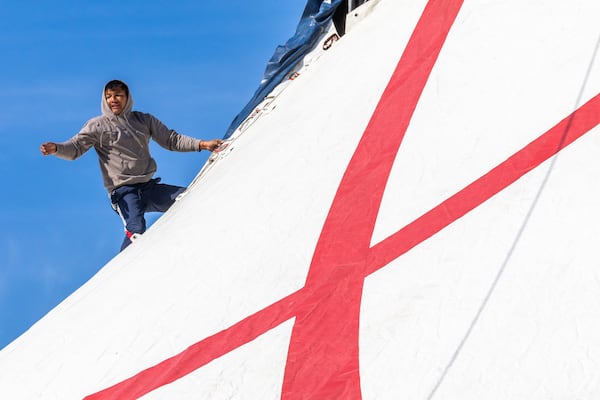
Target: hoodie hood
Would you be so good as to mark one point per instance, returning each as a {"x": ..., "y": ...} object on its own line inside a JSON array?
[{"x": 109, "y": 113}]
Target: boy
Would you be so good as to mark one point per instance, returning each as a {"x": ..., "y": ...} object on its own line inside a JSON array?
[{"x": 121, "y": 139}]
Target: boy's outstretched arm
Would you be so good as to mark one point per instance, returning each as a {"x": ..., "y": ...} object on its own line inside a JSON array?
[{"x": 48, "y": 148}]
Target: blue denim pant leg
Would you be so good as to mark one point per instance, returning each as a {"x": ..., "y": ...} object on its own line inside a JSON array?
[
  {"x": 130, "y": 206},
  {"x": 160, "y": 197}
]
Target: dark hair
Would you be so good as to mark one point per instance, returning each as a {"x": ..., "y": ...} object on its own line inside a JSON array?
[{"x": 117, "y": 84}]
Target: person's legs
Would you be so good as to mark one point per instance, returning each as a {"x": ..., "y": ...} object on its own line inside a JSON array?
[
  {"x": 130, "y": 206},
  {"x": 131, "y": 202}
]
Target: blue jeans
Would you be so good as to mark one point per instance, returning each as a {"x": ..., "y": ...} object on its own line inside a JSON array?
[{"x": 131, "y": 202}]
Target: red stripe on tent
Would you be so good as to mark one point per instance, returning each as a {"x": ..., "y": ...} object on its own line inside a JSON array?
[
  {"x": 499, "y": 178},
  {"x": 323, "y": 356}
]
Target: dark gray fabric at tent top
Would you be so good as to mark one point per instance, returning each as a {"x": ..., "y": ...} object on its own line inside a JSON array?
[{"x": 315, "y": 19}]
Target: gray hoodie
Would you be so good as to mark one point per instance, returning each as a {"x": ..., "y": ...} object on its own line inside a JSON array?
[{"x": 121, "y": 142}]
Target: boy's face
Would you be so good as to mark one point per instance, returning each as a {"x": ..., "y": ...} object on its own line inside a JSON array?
[{"x": 116, "y": 100}]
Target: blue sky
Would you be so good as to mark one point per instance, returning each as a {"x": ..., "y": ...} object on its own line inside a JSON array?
[{"x": 192, "y": 64}]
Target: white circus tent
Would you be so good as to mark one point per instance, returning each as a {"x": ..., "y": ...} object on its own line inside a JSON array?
[{"x": 414, "y": 216}]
